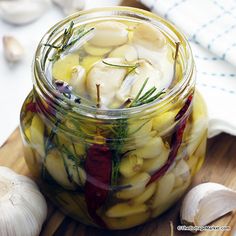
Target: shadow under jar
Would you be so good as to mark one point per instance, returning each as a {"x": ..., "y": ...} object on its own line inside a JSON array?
[{"x": 114, "y": 154}]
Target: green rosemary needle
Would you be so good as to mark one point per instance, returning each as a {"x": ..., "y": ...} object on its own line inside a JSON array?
[
  {"x": 133, "y": 67},
  {"x": 139, "y": 93},
  {"x": 68, "y": 40},
  {"x": 147, "y": 97}
]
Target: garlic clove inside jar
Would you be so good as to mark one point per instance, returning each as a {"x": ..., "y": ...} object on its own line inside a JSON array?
[
  {"x": 110, "y": 34},
  {"x": 120, "y": 65},
  {"x": 109, "y": 79},
  {"x": 115, "y": 150},
  {"x": 149, "y": 37}
]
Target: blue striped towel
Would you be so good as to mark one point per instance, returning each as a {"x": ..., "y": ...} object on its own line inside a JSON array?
[{"x": 210, "y": 26}]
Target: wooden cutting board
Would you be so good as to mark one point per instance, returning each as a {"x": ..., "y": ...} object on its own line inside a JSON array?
[{"x": 220, "y": 167}]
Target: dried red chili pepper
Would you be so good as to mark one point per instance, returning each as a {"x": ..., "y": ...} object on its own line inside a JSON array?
[
  {"x": 98, "y": 167},
  {"x": 176, "y": 141}
]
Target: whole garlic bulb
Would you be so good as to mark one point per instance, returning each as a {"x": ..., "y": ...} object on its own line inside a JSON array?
[
  {"x": 19, "y": 12},
  {"x": 23, "y": 208}
]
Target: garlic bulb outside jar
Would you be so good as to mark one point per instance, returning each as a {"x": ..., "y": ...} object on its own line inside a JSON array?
[
  {"x": 114, "y": 129},
  {"x": 23, "y": 208}
]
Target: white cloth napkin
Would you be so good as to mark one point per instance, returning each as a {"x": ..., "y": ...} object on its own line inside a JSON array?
[
  {"x": 210, "y": 26},
  {"x": 203, "y": 21}
]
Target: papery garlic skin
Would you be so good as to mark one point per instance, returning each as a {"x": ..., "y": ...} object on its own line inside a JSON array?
[
  {"x": 23, "y": 208},
  {"x": 24, "y": 11},
  {"x": 207, "y": 202}
]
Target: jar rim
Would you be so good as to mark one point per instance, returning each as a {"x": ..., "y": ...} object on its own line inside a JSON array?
[{"x": 40, "y": 77}]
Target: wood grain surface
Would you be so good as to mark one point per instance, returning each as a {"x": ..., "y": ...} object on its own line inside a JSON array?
[{"x": 220, "y": 167}]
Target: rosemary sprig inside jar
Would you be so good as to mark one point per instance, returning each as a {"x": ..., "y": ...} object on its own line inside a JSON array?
[{"x": 121, "y": 133}]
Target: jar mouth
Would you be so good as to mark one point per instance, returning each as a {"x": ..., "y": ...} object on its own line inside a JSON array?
[{"x": 46, "y": 89}]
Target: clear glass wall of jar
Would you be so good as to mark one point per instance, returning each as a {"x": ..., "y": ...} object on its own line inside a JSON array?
[{"x": 114, "y": 168}]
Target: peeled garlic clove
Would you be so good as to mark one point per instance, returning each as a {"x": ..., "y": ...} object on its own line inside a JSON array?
[
  {"x": 139, "y": 128},
  {"x": 96, "y": 51},
  {"x": 207, "y": 202},
  {"x": 23, "y": 208},
  {"x": 101, "y": 74},
  {"x": 130, "y": 165},
  {"x": 135, "y": 80},
  {"x": 124, "y": 209},
  {"x": 89, "y": 61},
  {"x": 78, "y": 79},
  {"x": 55, "y": 166},
  {"x": 164, "y": 188},
  {"x": 138, "y": 142},
  {"x": 152, "y": 149},
  {"x": 124, "y": 91},
  {"x": 146, "y": 195},
  {"x": 182, "y": 169},
  {"x": 199, "y": 124},
  {"x": 160, "y": 206},
  {"x": 128, "y": 52},
  {"x": 82, "y": 176},
  {"x": 149, "y": 37},
  {"x": 127, "y": 221},
  {"x": 70, "y": 6},
  {"x": 154, "y": 164},
  {"x": 144, "y": 71},
  {"x": 13, "y": 50},
  {"x": 178, "y": 182},
  {"x": 37, "y": 135},
  {"x": 159, "y": 60},
  {"x": 164, "y": 121},
  {"x": 63, "y": 68},
  {"x": 109, "y": 34},
  {"x": 77, "y": 174},
  {"x": 197, "y": 133},
  {"x": 199, "y": 108},
  {"x": 22, "y": 12},
  {"x": 137, "y": 183}
]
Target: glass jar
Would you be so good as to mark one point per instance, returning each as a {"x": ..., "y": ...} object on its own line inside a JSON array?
[{"x": 114, "y": 168}]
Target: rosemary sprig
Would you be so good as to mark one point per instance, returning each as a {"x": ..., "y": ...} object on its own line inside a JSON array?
[
  {"x": 68, "y": 40},
  {"x": 120, "y": 134},
  {"x": 139, "y": 93},
  {"x": 132, "y": 67},
  {"x": 148, "y": 94},
  {"x": 147, "y": 97}
]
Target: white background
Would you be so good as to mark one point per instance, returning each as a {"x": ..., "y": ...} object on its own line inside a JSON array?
[{"x": 15, "y": 80}]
